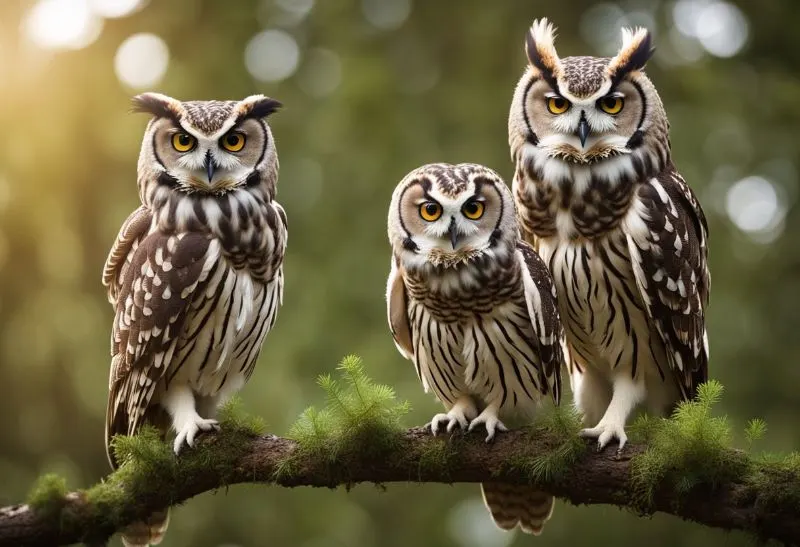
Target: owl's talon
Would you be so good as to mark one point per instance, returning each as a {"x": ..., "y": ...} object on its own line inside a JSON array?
[
  {"x": 604, "y": 433},
  {"x": 454, "y": 417},
  {"x": 189, "y": 431},
  {"x": 488, "y": 418}
]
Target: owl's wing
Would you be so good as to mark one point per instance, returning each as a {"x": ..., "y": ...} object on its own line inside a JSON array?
[
  {"x": 667, "y": 241},
  {"x": 166, "y": 274},
  {"x": 397, "y": 308},
  {"x": 540, "y": 297},
  {"x": 130, "y": 234}
]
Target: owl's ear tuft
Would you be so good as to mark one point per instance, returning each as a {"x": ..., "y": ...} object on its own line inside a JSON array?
[
  {"x": 541, "y": 51},
  {"x": 636, "y": 50},
  {"x": 257, "y": 106},
  {"x": 160, "y": 106}
]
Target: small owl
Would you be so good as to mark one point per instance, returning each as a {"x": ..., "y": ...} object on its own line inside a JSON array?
[
  {"x": 474, "y": 308},
  {"x": 196, "y": 273},
  {"x": 624, "y": 236}
]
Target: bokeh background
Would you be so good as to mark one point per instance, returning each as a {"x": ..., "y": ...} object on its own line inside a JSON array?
[{"x": 372, "y": 88}]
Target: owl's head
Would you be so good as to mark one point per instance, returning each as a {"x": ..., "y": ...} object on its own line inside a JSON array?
[
  {"x": 443, "y": 215},
  {"x": 206, "y": 147},
  {"x": 585, "y": 110}
]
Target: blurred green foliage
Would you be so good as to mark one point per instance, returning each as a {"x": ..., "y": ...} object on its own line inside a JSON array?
[{"x": 435, "y": 87}]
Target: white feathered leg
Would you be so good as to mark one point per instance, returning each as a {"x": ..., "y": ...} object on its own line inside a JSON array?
[{"x": 628, "y": 393}]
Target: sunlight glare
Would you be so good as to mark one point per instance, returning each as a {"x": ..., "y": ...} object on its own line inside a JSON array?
[
  {"x": 62, "y": 24},
  {"x": 272, "y": 56},
  {"x": 141, "y": 60},
  {"x": 115, "y": 8}
]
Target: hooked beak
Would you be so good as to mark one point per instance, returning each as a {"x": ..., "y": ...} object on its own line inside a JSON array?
[
  {"x": 583, "y": 130},
  {"x": 454, "y": 233},
  {"x": 210, "y": 166}
]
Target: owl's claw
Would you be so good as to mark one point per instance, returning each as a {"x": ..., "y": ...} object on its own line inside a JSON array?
[
  {"x": 452, "y": 418},
  {"x": 489, "y": 418},
  {"x": 189, "y": 432},
  {"x": 604, "y": 433}
]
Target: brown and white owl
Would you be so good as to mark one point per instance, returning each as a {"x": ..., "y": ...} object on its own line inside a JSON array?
[
  {"x": 474, "y": 308},
  {"x": 196, "y": 273},
  {"x": 624, "y": 236}
]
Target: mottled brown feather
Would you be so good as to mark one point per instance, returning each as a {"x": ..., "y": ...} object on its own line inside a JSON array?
[
  {"x": 132, "y": 231},
  {"x": 165, "y": 271}
]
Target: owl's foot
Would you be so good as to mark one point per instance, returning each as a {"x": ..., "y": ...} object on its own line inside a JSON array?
[
  {"x": 190, "y": 429},
  {"x": 489, "y": 418},
  {"x": 461, "y": 413},
  {"x": 604, "y": 432}
]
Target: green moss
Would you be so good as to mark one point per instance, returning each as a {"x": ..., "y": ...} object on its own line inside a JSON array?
[
  {"x": 689, "y": 449},
  {"x": 436, "y": 455},
  {"x": 48, "y": 493},
  {"x": 361, "y": 419},
  {"x": 557, "y": 429},
  {"x": 775, "y": 482},
  {"x": 233, "y": 417},
  {"x": 146, "y": 459}
]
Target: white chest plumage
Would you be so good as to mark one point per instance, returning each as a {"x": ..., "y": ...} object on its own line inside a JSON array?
[
  {"x": 225, "y": 331},
  {"x": 602, "y": 310},
  {"x": 492, "y": 356}
]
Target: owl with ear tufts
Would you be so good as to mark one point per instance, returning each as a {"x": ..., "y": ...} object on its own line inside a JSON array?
[
  {"x": 624, "y": 235},
  {"x": 474, "y": 308},
  {"x": 196, "y": 273}
]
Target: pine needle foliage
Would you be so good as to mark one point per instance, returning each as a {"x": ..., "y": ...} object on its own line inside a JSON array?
[
  {"x": 754, "y": 431},
  {"x": 361, "y": 419},
  {"x": 689, "y": 449}
]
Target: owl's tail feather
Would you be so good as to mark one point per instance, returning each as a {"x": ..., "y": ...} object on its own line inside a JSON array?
[
  {"x": 512, "y": 505},
  {"x": 147, "y": 532}
]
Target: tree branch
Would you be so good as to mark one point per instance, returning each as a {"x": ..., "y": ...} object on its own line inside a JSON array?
[{"x": 595, "y": 478}]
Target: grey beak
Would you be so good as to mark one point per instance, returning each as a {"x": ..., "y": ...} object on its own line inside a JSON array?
[
  {"x": 454, "y": 233},
  {"x": 583, "y": 130},
  {"x": 211, "y": 166}
]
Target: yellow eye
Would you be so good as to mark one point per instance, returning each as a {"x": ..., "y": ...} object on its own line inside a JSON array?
[
  {"x": 233, "y": 142},
  {"x": 557, "y": 105},
  {"x": 430, "y": 211},
  {"x": 611, "y": 105},
  {"x": 473, "y": 210},
  {"x": 183, "y": 142}
]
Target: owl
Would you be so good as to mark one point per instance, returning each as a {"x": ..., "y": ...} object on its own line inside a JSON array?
[
  {"x": 623, "y": 234},
  {"x": 474, "y": 308},
  {"x": 196, "y": 273}
]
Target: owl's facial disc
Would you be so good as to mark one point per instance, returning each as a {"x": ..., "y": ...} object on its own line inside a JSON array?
[
  {"x": 449, "y": 229},
  {"x": 584, "y": 130},
  {"x": 211, "y": 164}
]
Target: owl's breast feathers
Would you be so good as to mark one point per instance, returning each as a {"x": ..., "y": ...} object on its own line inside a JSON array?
[
  {"x": 558, "y": 197},
  {"x": 250, "y": 227},
  {"x": 475, "y": 287},
  {"x": 660, "y": 221}
]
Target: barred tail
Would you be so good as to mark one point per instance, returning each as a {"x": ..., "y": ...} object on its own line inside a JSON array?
[
  {"x": 512, "y": 505},
  {"x": 147, "y": 532}
]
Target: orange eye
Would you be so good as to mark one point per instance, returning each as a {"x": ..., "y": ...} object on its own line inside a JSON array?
[
  {"x": 430, "y": 211},
  {"x": 473, "y": 210},
  {"x": 611, "y": 105},
  {"x": 183, "y": 142},
  {"x": 557, "y": 105},
  {"x": 233, "y": 142}
]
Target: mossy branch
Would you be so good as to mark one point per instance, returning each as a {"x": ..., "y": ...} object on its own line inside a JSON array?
[{"x": 681, "y": 466}]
